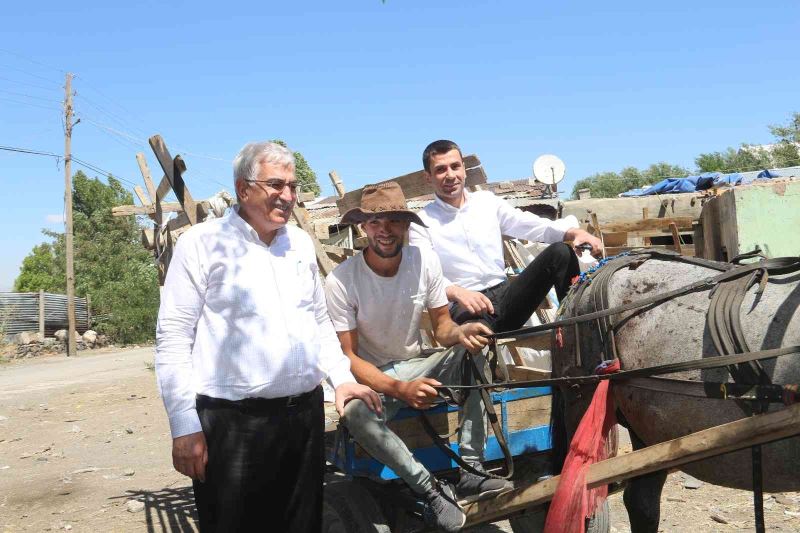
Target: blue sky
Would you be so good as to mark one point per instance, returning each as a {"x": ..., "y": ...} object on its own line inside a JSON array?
[{"x": 362, "y": 87}]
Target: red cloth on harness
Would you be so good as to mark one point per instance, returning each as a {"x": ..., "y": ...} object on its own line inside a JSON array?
[{"x": 572, "y": 502}]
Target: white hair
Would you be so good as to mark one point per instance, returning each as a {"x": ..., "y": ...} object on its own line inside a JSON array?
[{"x": 252, "y": 155}]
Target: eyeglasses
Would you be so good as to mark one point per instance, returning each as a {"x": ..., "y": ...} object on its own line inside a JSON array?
[{"x": 278, "y": 185}]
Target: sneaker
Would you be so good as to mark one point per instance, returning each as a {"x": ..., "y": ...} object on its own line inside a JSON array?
[
  {"x": 442, "y": 509},
  {"x": 473, "y": 487}
]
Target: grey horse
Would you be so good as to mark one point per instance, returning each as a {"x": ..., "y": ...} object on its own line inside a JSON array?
[{"x": 673, "y": 331}]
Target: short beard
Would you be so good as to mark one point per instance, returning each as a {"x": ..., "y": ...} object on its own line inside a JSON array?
[{"x": 393, "y": 253}]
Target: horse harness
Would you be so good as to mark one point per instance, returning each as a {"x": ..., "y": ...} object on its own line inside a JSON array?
[{"x": 728, "y": 288}]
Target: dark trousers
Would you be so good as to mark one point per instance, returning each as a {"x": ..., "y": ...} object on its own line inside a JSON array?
[
  {"x": 265, "y": 464},
  {"x": 516, "y": 300}
]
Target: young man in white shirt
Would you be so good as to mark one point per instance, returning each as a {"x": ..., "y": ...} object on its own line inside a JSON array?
[
  {"x": 243, "y": 341},
  {"x": 465, "y": 229},
  {"x": 375, "y": 300}
]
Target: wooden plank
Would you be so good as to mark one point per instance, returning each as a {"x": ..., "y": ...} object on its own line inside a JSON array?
[
  {"x": 148, "y": 239},
  {"x": 714, "y": 441},
  {"x": 612, "y": 210},
  {"x": 145, "y": 170},
  {"x": 338, "y": 185},
  {"x": 676, "y": 237},
  {"x": 173, "y": 170},
  {"x": 649, "y": 224},
  {"x": 526, "y": 373},
  {"x": 303, "y": 197},
  {"x": 125, "y": 210},
  {"x": 163, "y": 188},
  {"x": 541, "y": 341},
  {"x": 415, "y": 184},
  {"x": 325, "y": 264},
  {"x": 141, "y": 195}
]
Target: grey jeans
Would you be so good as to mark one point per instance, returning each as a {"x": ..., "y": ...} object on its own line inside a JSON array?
[{"x": 372, "y": 433}]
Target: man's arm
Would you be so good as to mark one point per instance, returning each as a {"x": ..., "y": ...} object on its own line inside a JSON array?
[
  {"x": 523, "y": 225},
  {"x": 471, "y": 335},
  {"x": 419, "y": 393},
  {"x": 182, "y": 300}
]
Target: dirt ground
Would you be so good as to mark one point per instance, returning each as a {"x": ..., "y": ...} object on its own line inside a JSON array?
[{"x": 85, "y": 446}]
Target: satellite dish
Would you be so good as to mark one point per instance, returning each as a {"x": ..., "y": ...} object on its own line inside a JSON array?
[{"x": 549, "y": 170}]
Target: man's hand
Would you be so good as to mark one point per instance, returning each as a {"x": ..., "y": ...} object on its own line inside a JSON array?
[
  {"x": 348, "y": 391},
  {"x": 473, "y": 301},
  {"x": 420, "y": 393},
  {"x": 472, "y": 336},
  {"x": 579, "y": 236},
  {"x": 190, "y": 455}
]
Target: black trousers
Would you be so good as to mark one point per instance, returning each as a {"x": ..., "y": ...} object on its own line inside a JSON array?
[
  {"x": 516, "y": 300},
  {"x": 265, "y": 464}
]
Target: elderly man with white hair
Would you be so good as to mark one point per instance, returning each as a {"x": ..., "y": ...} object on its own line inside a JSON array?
[{"x": 243, "y": 342}]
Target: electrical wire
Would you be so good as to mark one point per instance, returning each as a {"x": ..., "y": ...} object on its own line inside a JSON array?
[
  {"x": 22, "y": 102},
  {"x": 76, "y": 160},
  {"x": 30, "y": 96},
  {"x": 35, "y": 62}
]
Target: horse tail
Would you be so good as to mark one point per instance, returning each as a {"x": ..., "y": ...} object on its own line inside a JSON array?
[{"x": 558, "y": 430}]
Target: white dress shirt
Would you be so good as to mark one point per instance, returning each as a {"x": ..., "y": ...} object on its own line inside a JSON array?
[
  {"x": 469, "y": 239},
  {"x": 242, "y": 319}
]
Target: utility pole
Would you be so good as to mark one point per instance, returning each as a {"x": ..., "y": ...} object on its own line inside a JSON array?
[{"x": 68, "y": 211}]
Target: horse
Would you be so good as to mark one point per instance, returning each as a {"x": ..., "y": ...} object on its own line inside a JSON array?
[{"x": 759, "y": 313}]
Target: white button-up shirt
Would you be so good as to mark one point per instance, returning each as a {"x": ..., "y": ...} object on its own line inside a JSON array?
[
  {"x": 242, "y": 319},
  {"x": 469, "y": 239}
]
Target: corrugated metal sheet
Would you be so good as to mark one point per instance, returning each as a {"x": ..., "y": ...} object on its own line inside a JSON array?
[{"x": 19, "y": 311}]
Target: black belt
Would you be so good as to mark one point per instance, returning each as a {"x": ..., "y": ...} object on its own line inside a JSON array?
[{"x": 260, "y": 404}]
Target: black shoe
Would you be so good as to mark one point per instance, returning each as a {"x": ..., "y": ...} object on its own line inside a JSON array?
[
  {"x": 473, "y": 487},
  {"x": 442, "y": 509}
]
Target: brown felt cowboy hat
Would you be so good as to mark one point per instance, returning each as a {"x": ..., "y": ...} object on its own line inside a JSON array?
[{"x": 382, "y": 200}]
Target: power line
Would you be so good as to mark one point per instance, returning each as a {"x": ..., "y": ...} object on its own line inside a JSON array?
[
  {"x": 81, "y": 162},
  {"x": 29, "y": 151},
  {"x": 27, "y": 83},
  {"x": 26, "y": 58},
  {"x": 141, "y": 143},
  {"x": 30, "y": 96},
  {"x": 22, "y": 102},
  {"x": 30, "y": 74}
]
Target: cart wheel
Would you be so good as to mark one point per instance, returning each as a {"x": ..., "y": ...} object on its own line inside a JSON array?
[
  {"x": 534, "y": 522},
  {"x": 349, "y": 508}
]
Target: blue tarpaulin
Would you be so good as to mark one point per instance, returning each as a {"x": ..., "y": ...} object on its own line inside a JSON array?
[{"x": 698, "y": 183}]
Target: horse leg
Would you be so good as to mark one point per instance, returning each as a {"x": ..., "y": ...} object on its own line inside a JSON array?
[{"x": 642, "y": 496}]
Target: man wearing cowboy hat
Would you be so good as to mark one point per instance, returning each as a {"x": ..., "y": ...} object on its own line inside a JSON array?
[{"x": 376, "y": 300}]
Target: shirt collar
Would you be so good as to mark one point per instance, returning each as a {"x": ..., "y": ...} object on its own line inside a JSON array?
[
  {"x": 247, "y": 230},
  {"x": 449, "y": 208}
]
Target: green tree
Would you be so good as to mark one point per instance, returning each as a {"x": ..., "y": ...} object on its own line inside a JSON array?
[
  {"x": 786, "y": 152},
  {"x": 744, "y": 159},
  {"x": 42, "y": 269},
  {"x": 305, "y": 175},
  {"x": 110, "y": 263},
  {"x": 611, "y": 184}
]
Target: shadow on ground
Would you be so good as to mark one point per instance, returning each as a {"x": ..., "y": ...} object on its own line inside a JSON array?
[{"x": 167, "y": 510}]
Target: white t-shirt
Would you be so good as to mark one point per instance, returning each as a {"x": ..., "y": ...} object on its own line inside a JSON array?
[{"x": 385, "y": 311}]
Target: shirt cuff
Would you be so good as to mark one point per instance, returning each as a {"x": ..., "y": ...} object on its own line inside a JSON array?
[
  {"x": 341, "y": 375},
  {"x": 185, "y": 423}
]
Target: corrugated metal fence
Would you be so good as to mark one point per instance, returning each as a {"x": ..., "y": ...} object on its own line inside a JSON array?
[{"x": 19, "y": 311}]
